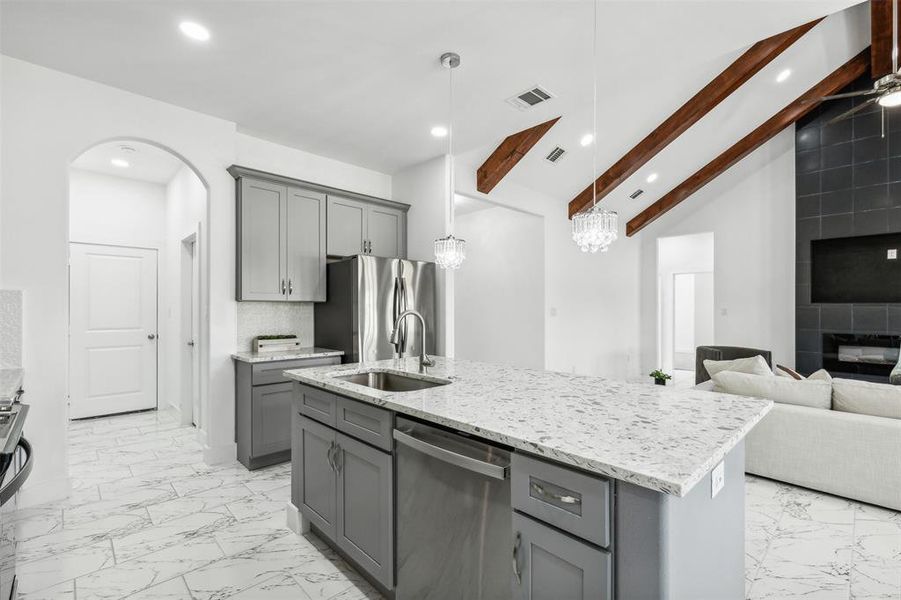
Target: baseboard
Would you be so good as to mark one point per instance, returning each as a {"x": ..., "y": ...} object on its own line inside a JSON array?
[
  {"x": 216, "y": 455},
  {"x": 43, "y": 492},
  {"x": 296, "y": 522}
]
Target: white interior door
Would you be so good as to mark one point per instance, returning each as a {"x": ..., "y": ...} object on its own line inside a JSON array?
[{"x": 112, "y": 329}]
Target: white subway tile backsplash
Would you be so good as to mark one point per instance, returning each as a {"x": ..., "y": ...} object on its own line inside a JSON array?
[{"x": 270, "y": 318}]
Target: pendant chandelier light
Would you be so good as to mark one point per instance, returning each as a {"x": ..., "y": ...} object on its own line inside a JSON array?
[
  {"x": 450, "y": 252},
  {"x": 594, "y": 229}
]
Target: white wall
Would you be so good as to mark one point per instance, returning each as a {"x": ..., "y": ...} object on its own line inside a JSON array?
[
  {"x": 185, "y": 208},
  {"x": 274, "y": 158},
  {"x": 41, "y": 137},
  {"x": 425, "y": 188},
  {"x": 105, "y": 209},
  {"x": 591, "y": 300},
  {"x": 499, "y": 292},
  {"x": 750, "y": 210}
]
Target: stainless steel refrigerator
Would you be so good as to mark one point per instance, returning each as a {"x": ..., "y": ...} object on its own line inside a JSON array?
[{"x": 365, "y": 295}]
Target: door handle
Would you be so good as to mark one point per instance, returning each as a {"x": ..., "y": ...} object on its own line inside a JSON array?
[
  {"x": 151, "y": 336},
  {"x": 290, "y": 287},
  {"x": 283, "y": 286},
  {"x": 339, "y": 458},
  {"x": 191, "y": 343}
]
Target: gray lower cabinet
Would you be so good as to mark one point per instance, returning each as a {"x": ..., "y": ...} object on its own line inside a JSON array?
[
  {"x": 551, "y": 565},
  {"x": 263, "y": 397},
  {"x": 365, "y": 522},
  {"x": 317, "y": 489},
  {"x": 342, "y": 485}
]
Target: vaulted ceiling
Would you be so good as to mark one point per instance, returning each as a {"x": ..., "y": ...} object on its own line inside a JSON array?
[{"x": 360, "y": 81}]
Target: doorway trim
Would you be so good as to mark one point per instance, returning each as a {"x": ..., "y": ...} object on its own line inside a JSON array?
[{"x": 189, "y": 330}]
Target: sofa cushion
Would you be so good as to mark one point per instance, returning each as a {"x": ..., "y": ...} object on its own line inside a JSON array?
[
  {"x": 754, "y": 364},
  {"x": 866, "y": 398},
  {"x": 805, "y": 392},
  {"x": 821, "y": 375}
]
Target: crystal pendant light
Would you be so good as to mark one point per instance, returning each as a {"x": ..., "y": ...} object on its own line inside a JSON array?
[
  {"x": 595, "y": 229},
  {"x": 450, "y": 252}
]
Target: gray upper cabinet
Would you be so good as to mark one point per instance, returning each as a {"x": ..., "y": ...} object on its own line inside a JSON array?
[
  {"x": 261, "y": 240},
  {"x": 356, "y": 227},
  {"x": 346, "y": 227},
  {"x": 305, "y": 245},
  {"x": 281, "y": 242},
  {"x": 386, "y": 232}
]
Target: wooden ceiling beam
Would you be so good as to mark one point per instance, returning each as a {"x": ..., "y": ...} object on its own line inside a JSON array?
[
  {"x": 743, "y": 68},
  {"x": 507, "y": 154},
  {"x": 844, "y": 75},
  {"x": 881, "y": 37}
]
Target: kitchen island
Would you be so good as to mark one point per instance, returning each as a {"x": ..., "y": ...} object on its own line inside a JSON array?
[{"x": 646, "y": 456}]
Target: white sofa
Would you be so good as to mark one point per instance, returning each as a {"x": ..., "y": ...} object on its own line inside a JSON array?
[{"x": 848, "y": 454}]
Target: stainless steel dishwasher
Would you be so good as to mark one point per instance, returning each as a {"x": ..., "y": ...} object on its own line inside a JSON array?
[{"x": 454, "y": 523}]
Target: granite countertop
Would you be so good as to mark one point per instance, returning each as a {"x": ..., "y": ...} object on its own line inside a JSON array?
[
  {"x": 254, "y": 357},
  {"x": 10, "y": 382},
  {"x": 652, "y": 436}
]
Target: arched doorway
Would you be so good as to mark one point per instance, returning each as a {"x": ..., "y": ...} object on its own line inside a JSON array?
[{"x": 138, "y": 335}]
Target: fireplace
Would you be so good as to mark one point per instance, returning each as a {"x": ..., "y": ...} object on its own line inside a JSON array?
[{"x": 860, "y": 356}]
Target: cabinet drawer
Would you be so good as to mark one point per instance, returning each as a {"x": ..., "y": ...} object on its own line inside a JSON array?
[
  {"x": 550, "y": 565},
  {"x": 271, "y": 372},
  {"x": 365, "y": 422},
  {"x": 316, "y": 404},
  {"x": 573, "y": 501}
]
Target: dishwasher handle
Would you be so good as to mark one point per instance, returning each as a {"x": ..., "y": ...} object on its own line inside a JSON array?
[{"x": 449, "y": 456}]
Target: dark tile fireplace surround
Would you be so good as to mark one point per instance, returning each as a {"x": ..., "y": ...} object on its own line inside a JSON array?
[{"x": 848, "y": 183}]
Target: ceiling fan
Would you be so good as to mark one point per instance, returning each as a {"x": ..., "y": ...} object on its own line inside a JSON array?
[{"x": 887, "y": 89}]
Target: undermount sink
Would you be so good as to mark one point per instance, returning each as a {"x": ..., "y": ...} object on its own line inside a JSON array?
[{"x": 390, "y": 382}]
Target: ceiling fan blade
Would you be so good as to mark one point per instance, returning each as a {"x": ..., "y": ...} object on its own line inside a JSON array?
[
  {"x": 852, "y": 112},
  {"x": 845, "y": 95}
]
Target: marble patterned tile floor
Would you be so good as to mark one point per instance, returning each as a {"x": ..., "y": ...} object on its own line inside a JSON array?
[{"x": 147, "y": 519}]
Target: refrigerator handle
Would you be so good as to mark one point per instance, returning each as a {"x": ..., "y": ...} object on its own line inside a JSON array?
[
  {"x": 397, "y": 309},
  {"x": 403, "y": 307}
]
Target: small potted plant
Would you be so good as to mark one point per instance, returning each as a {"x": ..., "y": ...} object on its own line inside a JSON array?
[{"x": 660, "y": 377}]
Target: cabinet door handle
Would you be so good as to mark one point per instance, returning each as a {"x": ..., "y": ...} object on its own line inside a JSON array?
[
  {"x": 290, "y": 287},
  {"x": 565, "y": 499},
  {"x": 283, "y": 286},
  {"x": 330, "y": 455},
  {"x": 339, "y": 458},
  {"x": 516, "y": 570}
]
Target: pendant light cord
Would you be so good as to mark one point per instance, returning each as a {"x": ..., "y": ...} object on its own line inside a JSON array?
[
  {"x": 450, "y": 148},
  {"x": 594, "y": 107}
]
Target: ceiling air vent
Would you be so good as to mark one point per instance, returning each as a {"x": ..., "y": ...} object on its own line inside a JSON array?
[
  {"x": 555, "y": 154},
  {"x": 531, "y": 97},
  {"x": 636, "y": 193}
]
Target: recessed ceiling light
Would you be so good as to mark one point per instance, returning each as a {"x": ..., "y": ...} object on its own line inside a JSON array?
[
  {"x": 195, "y": 31},
  {"x": 586, "y": 139},
  {"x": 651, "y": 178},
  {"x": 439, "y": 131},
  {"x": 783, "y": 75},
  {"x": 119, "y": 162}
]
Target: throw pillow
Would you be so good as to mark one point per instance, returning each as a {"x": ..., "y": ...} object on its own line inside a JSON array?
[
  {"x": 866, "y": 398},
  {"x": 754, "y": 364},
  {"x": 805, "y": 392},
  {"x": 821, "y": 375},
  {"x": 790, "y": 372}
]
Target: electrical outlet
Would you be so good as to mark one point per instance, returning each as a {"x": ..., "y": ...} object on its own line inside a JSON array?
[
  {"x": 717, "y": 479},
  {"x": 893, "y": 254}
]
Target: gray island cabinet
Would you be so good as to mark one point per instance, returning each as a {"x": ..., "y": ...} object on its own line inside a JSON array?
[{"x": 616, "y": 490}]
